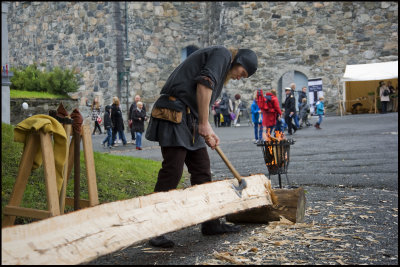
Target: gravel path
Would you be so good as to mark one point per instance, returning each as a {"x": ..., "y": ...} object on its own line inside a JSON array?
[{"x": 349, "y": 170}]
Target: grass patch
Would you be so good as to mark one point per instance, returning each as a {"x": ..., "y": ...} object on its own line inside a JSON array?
[
  {"x": 33, "y": 94},
  {"x": 118, "y": 177}
]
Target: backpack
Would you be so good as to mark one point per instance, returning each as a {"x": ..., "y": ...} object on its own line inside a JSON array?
[
  {"x": 386, "y": 92},
  {"x": 223, "y": 105}
]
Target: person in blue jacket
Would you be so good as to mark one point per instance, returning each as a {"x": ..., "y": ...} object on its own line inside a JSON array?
[
  {"x": 320, "y": 111},
  {"x": 256, "y": 116}
]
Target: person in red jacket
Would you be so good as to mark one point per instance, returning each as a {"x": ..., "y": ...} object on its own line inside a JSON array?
[{"x": 269, "y": 106}]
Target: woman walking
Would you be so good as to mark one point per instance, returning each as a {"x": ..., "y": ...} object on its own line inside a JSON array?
[
  {"x": 95, "y": 108},
  {"x": 138, "y": 118},
  {"x": 384, "y": 96},
  {"x": 117, "y": 121}
]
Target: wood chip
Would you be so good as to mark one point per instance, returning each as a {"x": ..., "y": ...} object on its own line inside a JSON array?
[
  {"x": 321, "y": 238},
  {"x": 227, "y": 257},
  {"x": 158, "y": 251}
]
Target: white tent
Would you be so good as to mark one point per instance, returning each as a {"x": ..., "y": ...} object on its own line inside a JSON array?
[
  {"x": 371, "y": 72},
  {"x": 369, "y": 75}
]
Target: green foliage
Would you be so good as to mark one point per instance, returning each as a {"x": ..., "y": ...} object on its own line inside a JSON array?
[
  {"x": 118, "y": 177},
  {"x": 58, "y": 81},
  {"x": 33, "y": 94},
  {"x": 27, "y": 79}
]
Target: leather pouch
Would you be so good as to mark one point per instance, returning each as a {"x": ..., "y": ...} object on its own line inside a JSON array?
[
  {"x": 167, "y": 114},
  {"x": 168, "y": 108}
]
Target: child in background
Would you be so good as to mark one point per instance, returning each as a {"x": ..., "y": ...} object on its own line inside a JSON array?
[
  {"x": 256, "y": 116},
  {"x": 107, "y": 127},
  {"x": 320, "y": 112},
  {"x": 280, "y": 123},
  {"x": 303, "y": 112}
]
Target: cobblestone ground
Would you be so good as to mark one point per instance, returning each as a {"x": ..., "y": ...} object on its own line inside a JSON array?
[{"x": 349, "y": 171}]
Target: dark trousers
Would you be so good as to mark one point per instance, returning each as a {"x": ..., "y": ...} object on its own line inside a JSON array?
[
  {"x": 227, "y": 120},
  {"x": 197, "y": 162},
  {"x": 290, "y": 124},
  {"x": 384, "y": 106},
  {"x": 133, "y": 133},
  {"x": 96, "y": 125},
  {"x": 217, "y": 118}
]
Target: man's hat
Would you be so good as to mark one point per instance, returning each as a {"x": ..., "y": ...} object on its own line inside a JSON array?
[
  {"x": 248, "y": 59},
  {"x": 288, "y": 89}
]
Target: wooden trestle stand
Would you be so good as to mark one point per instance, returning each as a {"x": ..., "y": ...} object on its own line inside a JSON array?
[{"x": 55, "y": 203}]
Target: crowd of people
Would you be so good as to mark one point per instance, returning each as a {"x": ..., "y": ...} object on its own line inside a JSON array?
[
  {"x": 266, "y": 116},
  {"x": 113, "y": 122}
]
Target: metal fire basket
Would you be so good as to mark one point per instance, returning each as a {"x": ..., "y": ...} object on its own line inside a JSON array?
[{"x": 277, "y": 156}]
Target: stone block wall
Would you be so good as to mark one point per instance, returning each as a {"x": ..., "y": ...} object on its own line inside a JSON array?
[{"x": 317, "y": 39}]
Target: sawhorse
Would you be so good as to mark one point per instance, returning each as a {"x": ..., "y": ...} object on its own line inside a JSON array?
[{"x": 55, "y": 203}]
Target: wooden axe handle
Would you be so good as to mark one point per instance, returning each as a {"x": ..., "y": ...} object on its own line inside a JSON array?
[{"x": 229, "y": 164}]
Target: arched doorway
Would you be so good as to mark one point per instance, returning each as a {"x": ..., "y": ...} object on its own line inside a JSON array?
[
  {"x": 292, "y": 76},
  {"x": 187, "y": 51}
]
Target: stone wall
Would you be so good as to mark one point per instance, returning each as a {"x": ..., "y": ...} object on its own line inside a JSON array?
[
  {"x": 317, "y": 39},
  {"x": 37, "y": 106}
]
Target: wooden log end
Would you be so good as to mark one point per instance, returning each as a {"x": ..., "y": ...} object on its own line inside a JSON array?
[{"x": 291, "y": 204}]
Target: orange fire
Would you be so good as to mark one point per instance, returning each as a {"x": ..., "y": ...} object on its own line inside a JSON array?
[{"x": 272, "y": 151}]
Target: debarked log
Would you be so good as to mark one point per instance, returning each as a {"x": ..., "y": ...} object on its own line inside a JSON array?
[
  {"x": 291, "y": 205},
  {"x": 86, "y": 234}
]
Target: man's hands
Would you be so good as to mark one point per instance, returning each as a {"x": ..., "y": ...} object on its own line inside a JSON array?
[
  {"x": 210, "y": 137},
  {"x": 203, "y": 95}
]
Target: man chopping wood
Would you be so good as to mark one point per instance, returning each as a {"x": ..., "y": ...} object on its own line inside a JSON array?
[{"x": 179, "y": 120}]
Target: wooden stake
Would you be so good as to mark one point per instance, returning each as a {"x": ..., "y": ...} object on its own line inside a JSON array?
[
  {"x": 53, "y": 204},
  {"x": 77, "y": 169},
  {"x": 90, "y": 167},
  {"x": 63, "y": 192}
]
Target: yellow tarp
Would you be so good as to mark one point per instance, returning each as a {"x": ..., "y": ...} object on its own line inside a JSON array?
[{"x": 47, "y": 124}]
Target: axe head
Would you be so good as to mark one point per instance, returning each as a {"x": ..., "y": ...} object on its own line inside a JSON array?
[{"x": 239, "y": 189}]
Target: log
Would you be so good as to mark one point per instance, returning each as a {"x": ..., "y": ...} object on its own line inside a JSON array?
[
  {"x": 86, "y": 234},
  {"x": 291, "y": 204}
]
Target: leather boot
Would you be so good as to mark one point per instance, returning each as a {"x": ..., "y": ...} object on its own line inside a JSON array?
[
  {"x": 215, "y": 227},
  {"x": 161, "y": 241}
]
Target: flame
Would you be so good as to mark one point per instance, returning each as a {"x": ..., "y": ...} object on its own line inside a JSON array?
[{"x": 275, "y": 156}]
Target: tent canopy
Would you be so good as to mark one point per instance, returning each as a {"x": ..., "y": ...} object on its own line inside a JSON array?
[{"x": 370, "y": 72}]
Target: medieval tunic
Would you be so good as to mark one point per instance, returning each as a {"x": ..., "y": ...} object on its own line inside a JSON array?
[{"x": 208, "y": 66}]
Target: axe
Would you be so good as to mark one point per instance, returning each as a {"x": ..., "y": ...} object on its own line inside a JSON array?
[{"x": 242, "y": 182}]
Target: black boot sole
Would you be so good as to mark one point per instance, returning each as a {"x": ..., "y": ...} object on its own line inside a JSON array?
[
  {"x": 220, "y": 229},
  {"x": 162, "y": 242}
]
